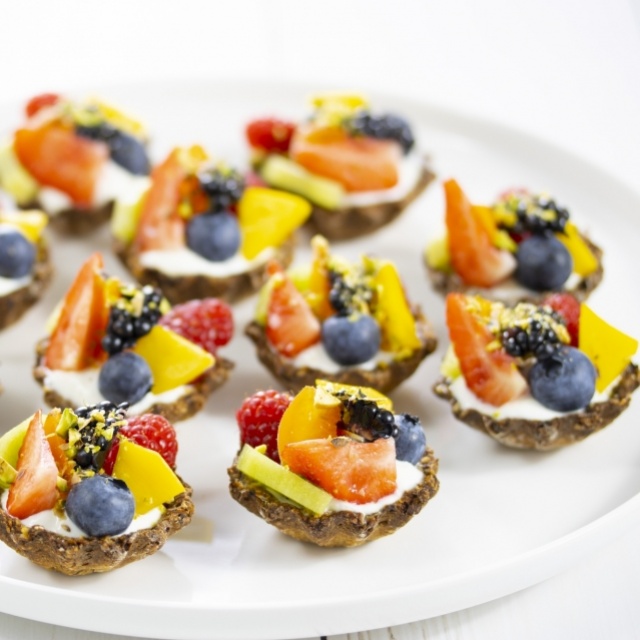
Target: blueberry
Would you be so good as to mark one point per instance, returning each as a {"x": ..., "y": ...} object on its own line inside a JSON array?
[
  {"x": 564, "y": 382},
  {"x": 100, "y": 506},
  {"x": 544, "y": 264},
  {"x": 125, "y": 377},
  {"x": 215, "y": 237},
  {"x": 410, "y": 441},
  {"x": 350, "y": 340},
  {"x": 17, "y": 255}
]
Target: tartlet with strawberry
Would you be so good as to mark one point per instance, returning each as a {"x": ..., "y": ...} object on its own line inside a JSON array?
[
  {"x": 89, "y": 490},
  {"x": 72, "y": 159},
  {"x": 25, "y": 265},
  {"x": 521, "y": 248},
  {"x": 359, "y": 169},
  {"x": 123, "y": 343},
  {"x": 334, "y": 465},
  {"x": 535, "y": 376},
  {"x": 341, "y": 321},
  {"x": 199, "y": 231}
]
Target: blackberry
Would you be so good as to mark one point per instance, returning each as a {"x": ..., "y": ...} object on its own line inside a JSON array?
[
  {"x": 348, "y": 293},
  {"x": 223, "y": 186},
  {"x": 131, "y": 317},
  {"x": 382, "y": 127},
  {"x": 366, "y": 419},
  {"x": 539, "y": 215}
]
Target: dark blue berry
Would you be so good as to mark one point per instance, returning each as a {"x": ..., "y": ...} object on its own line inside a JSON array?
[
  {"x": 410, "y": 440},
  {"x": 100, "y": 506},
  {"x": 348, "y": 340},
  {"x": 214, "y": 236},
  {"x": 384, "y": 127},
  {"x": 17, "y": 255},
  {"x": 544, "y": 264},
  {"x": 564, "y": 382},
  {"x": 125, "y": 377}
]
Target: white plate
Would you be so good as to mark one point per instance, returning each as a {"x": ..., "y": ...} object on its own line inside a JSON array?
[{"x": 502, "y": 520}]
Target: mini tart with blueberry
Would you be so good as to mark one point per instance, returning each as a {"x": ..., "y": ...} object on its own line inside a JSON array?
[
  {"x": 72, "y": 159},
  {"x": 535, "y": 377},
  {"x": 123, "y": 343},
  {"x": 25, "y": 266},
  {"x": 350, "y": 323},
  {"x": 79, "y": 494},
  {"x": 519, "y": 249},
  {"x": 334, "y": 465},
  {"x": 200, "y": 232},
  {"x": 358, "y": 169}
]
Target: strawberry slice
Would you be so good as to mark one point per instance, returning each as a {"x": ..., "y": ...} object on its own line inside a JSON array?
[
  {"x": 473, "y": 256},
  {"x": 56, "y": 157},
  {"x": 76, "y": 341},
  {"x": 490, "y": 374},
  {"x": 358, "y": 163},
  {"x": 568, "y": 307},
  {"x": 160, "y": 225},
  {"x": 35, "y": 488},
  {"x": 291, "y": 325},
  {"x": 270, "y": 134},
  {"x": 39, "y": 102},
  {"x": 358, "y": 472}
]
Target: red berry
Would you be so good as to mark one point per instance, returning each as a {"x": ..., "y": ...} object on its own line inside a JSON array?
[
  {"x": 151, "y": 431},
  {"x": 208, "y": 322},
  {"x": 270, "y": 134},
  {"x": 40, "y": 102},
  {"x": 259, "y": 418},
  {"x": 569, "y": 308}
]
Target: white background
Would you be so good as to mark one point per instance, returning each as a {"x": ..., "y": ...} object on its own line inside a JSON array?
[{"x": 566, "y": 70}]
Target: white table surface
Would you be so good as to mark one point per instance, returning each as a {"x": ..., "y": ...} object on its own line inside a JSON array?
[{"x": 567, "y": 70}]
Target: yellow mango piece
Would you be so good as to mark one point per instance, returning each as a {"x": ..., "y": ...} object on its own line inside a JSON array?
[
  {"x": 30, "y": 223},
  {"x": 584, "y": 262},
  {"x": 351, "y": 391},
  {"x": 608, "y": 348},
  {"x": 173, "y": 360},
  {"x": 392, "y": 312},
  {"x": 319, "y": 283},
  {"x": 123, "y": 121},
  {"x": 15, "y": 179},
  {"x": 267, "y": 217},
  {"x": 149, "y": 478}
]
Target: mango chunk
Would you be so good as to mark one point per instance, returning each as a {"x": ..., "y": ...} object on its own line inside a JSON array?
[
  {"x": 30, "y": 223},
  {"x": 353, "y": 392},
  {"x": 608, "y": 348},
  {"x": 15, "y": 179},
  {"x": 584, "y": 262}
]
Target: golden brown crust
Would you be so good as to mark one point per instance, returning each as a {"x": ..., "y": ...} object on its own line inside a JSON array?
[
  {"x": 447, "y": 282},
  {"x": 81, "y": 556},
  {"x": 339, "y": 528},
  {"x": 352, "y": 222},
  {"x": 547, "y": 434},
  {"x": 16, "y": 303},
  {"x": 183, "y": 288},
  {"x": 185, "y": 407},
  {"x": 385, "y": 377}
]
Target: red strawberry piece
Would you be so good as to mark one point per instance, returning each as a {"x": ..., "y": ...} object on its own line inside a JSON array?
[
  {"x": 151, "y": 431},
  {"x": 270, "y": 134},
  {"x": 259, "y": 417},
  {"x": 569, "y": 308},
  {"x": 208, "y": 322},
  {"x": 40, "y": 102}
]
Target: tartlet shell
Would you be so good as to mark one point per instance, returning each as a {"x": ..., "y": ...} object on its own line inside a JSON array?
[
  {"x": 75, "y": 221},
  {"x": 350, "y": 222},
  {"x": 16, "y": 303},
  {"x": 340, "y": 528},
  {"x": 178, "y": 289},
  {"x": 185, "y": 407},
  {"x": 448, "y": 282},
  {"x": 551, "y": 434},
  {"x": 385, "y": 377},
  {"x": 82, "y": 556}
]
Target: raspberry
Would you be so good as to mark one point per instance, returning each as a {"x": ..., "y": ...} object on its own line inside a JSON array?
[
  {"x": 208, "y": 322},
  {"x": 270, "y": 134},
  {"x": 568, "y": 307},
  {"x": 259, "y": 417},
  {"x": 151, "y": 431}
]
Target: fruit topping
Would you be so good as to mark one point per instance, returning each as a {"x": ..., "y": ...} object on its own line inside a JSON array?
[
  {"x": 207, "y": 323},
  {"x": 258, "y": 419},
  {"x": 584, "y": 261},
  {"x": 100, "y": 506},
  {"x": 11, "y": 441},
  {"x": 351, "y": 340},
  {"x": 125, "y": 377},
  {"x": 15, "y": 179},
  {"x": 17, "y": 254},
  {"x": 568, "y": 307},
  {"x": 214, "y": 236},
  {"x": 564, "y": 381},
  {"x": 348, "y": 292},
  {"x": 223, "y": 185},
  {"x": 544, "y": 264},
  {"x": 523, "y": 213},
  {"x": 29, "y": 223},
  {"x": 349, "y": 393},
  {"x": 270, "y": 134},
  {"x": 365, "y": 418},
  {"x": 411, "y": 441},
  {"x": 382, "y": 127},
  {"x": 8, "y": 474},
  {"x": 39, "y": 102}
]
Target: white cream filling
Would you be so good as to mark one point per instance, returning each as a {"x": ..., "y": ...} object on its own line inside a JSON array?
[
  {"x": 184, "y": 262},
  {"x": 316, "y": 357},
  {"x": 63, "y": 526},
  {"x": 408, "y": 477},
  {"x": 81, "y": 389},
  {"x": 511, "y": 290},
  {"x": 9, "y": 285}
]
